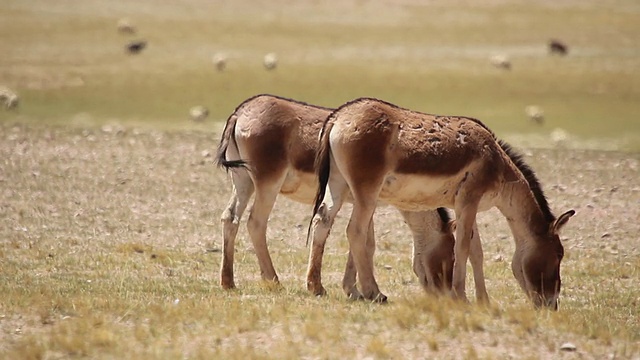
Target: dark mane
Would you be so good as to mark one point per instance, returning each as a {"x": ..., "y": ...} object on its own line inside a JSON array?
[{"x": 532, "y": 179}]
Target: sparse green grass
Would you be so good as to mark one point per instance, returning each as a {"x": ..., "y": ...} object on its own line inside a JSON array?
[
  {"x": 431, "y": 57},
  {"x": 105, "y": 251}
]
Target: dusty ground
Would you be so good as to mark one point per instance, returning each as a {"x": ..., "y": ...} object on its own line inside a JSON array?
[{"x": 81, "y": 205}]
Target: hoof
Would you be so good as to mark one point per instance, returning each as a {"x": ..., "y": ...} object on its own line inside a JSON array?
[
  {"x": 316, "y": 290},
  {"x": 354, "y": 294},
  {"x": 459, "y": 295},
  {"x": 227, "y": 284},
  {"x": 355, "y": 297},
  {"x": 272, "y": 284},
  {"x": 380, "y": 299}
]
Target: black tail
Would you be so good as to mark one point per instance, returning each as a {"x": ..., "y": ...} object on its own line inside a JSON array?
[
  {"x": 323, "y": 168},
  {"x": 225, "y": 140}
]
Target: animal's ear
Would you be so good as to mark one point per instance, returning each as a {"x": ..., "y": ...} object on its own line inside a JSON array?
[{"x": 561, "y": 221}]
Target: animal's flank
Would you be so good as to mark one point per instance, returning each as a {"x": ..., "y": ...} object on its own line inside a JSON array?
[{"x": 531, "y": 178}]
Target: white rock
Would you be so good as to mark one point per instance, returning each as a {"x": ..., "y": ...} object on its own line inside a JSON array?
[
  {"x": 198, "y": 113},
  {"x": 568, "y": 347},
  {"x": 219, "y": 61},
  {"x": 9, "y": 98},
  {"x": 535, "y": 113},
  {"x": 501, "y": 62},
  {"x": 270, "y": 61},
  {"x": 125, "y": 27},
  {"x": 559, "y": 135}
]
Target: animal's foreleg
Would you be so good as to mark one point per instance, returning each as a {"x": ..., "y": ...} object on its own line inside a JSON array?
[
  {"x": 464, "y": 229},
  {"x": 477, "y": 262}
]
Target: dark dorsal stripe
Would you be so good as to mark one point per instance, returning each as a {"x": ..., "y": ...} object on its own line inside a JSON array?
[
  {"x": 527, "y": 172},
  {"x": 281, "y": 98},
  {"x": 531, "y": 178}
]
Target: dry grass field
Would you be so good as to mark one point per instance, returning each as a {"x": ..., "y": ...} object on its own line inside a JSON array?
[
  {"x": 110, "y": 202},
  {"x": 110, "y": 249}
]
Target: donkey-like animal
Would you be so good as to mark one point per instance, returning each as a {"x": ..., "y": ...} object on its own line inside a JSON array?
[
  {"x": 269, "y": 145},
  {"x": 416, "y": 162}
]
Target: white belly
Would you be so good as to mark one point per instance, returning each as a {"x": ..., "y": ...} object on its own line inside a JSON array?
[
  {"x": 421, "y": 192},
  {"x": 300, "y": 187}
]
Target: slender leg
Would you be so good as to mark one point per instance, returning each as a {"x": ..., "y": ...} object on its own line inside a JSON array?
[
  {"x": 465, "y": 223},
  {"x": 265, "y": 198},
  {"x": 321, "y": 225},
  {"x": 477, "y": 258},
  {"x": 420, "y": 251},
  {"x": 242, "y": 191},
  {"x": 349, "y": 279},
  {"x": 357, "y": 232}
]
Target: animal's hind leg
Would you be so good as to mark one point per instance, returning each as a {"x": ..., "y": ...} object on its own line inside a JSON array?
[
  {"x": 321, "y": 225},
  {"x": 350, "y": 273},
  {"x": 357, "y": 233},
  {"x": 265, "y": 198},
  {"x": 241, "y": 193}
]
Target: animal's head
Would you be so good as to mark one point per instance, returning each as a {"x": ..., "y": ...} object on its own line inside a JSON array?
[
  {"x": 433, "y": 264},
  {"x": 537, "y": 266}
]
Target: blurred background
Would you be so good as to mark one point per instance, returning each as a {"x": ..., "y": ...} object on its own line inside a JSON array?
[{"x": 540, "y": 73}]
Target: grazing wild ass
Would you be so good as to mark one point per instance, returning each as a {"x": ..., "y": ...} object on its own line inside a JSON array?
[
  {"x": 269, "y": 145},
  {"x": 416, "y": 162}
]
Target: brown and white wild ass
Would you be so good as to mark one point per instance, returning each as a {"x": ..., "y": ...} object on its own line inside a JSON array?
[
  {"x": 269, "y": 145},
  {"x": 414, "y": 161}
]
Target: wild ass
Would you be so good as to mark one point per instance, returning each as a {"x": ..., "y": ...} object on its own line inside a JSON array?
[
  {"x": 377, "y": 151},
  {"x": 269, "y": 144}
]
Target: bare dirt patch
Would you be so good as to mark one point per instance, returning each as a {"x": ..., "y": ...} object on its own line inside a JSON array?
[{"x": 109, "y": 240}]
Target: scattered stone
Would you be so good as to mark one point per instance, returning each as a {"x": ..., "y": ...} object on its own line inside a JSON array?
[
  {"x": 112, "y": 129},
  {"x": 498, "y": 258},
  {"x": 605, "y": 235},
  {"x": 501, "y": 62},
  {"x": 198, "y": 113},
  {"x": 9, "y": 98},
  {"x": 125, "y": 27},
  {"x": 557, "y": 47},
  {"x": 559, "y": 136},
  {"x": 270, "y": 61},
  {"x": 569, "y": 347},
  {"x": 535, "y": 114},
  {"x": 388, "y": 267},
  {"x": 135, "y": 47},
  {"x": 219, "y": 61}
]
